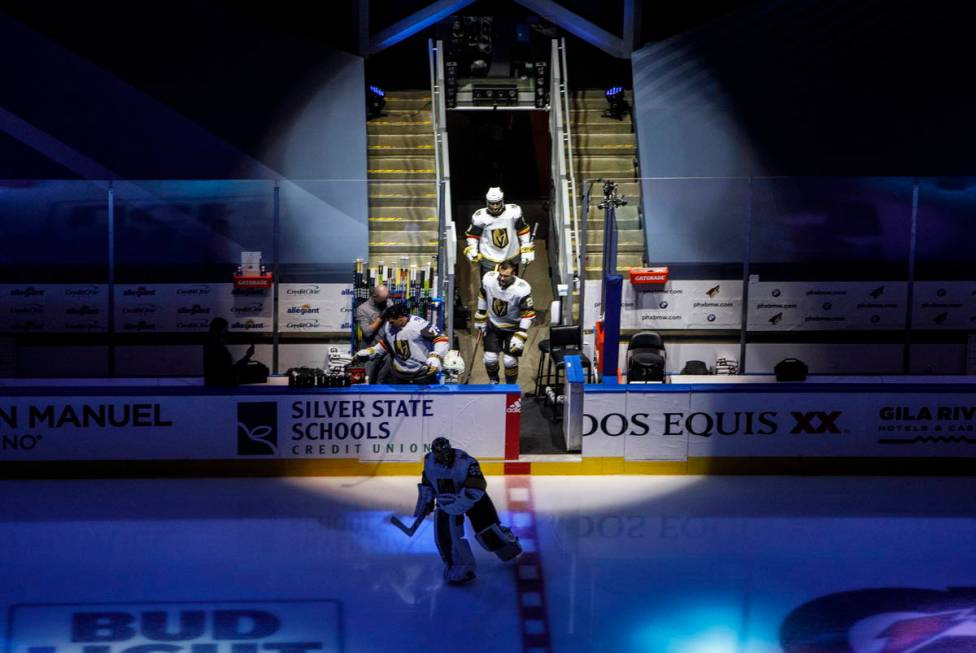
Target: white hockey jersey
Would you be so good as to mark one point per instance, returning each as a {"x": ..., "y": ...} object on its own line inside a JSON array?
[
  {"x": 499, "y": 238},
  {"x": 509, "y": 309},
  {"x": 411, "y": 346}
]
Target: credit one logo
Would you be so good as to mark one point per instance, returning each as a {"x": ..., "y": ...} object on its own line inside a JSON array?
[
  {"x": 197, "y": 289},
  {"x": 29, "y": 291},
  {"x": 84, "y": 291},
  {"x": 304, "y": 291},
  {"x": 257, "y": 428},
  {"x": 246, "y": 309}
]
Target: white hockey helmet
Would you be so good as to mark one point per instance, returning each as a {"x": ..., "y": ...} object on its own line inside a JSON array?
[{"x": 496, "y": 200}]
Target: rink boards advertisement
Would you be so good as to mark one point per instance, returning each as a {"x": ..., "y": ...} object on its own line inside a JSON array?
[
  {"x": 297, "y": 626},
  {"x": 902, "y": 421},
  {"x": 360, "y": 426},
  {"x": 174, "y": 308}
]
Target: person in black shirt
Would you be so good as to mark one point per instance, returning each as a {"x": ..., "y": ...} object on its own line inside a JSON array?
[{"x": 219, "y": 368}]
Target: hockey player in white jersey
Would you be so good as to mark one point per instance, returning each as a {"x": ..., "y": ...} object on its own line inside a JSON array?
[
  {"x": 415, "y": 345},
  {"x": 499, "y": 233},
  {"x": 505, "y": 312}
]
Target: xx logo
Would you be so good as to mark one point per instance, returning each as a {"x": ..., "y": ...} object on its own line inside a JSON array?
[{"x": 805, "y": 422}]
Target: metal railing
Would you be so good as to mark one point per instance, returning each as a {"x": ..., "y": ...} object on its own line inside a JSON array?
[
  {"x": 564, "y": 214},
  {"x": 446, "y": 231}
]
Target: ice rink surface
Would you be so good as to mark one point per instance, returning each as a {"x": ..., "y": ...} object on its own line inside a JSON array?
[{"x": 627, "y": 563}]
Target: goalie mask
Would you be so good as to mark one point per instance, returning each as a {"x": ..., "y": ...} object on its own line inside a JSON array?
[
  {"x": 443, "y": 452},
  {"x": 495, "y": 199}
]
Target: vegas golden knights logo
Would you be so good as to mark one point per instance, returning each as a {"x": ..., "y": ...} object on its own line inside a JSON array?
[
  {"x": 402, "y": 348},
  {"x": 499, "y": 238},
  {"x": 500, "y": 307}
]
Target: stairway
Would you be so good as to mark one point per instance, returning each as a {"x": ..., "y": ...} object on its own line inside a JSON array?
[
  {"x": 402, "y": 187},
  {"x": 606, "y": 148}
]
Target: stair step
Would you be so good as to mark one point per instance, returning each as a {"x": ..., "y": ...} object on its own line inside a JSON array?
[
  {"x": 627, "y": 239},
  {"x": 395, "y": 106},
  {"x": 391, "y": 247},
  {"x": 589, "y": 167},
  {"x": 407, "y": 238},
  {"x": 612, "y": 127},
  {"x": 401, "y": 167},
  {"x": 394, "y": 224},
  {"x": 402, "y": 193},
  {"x": 593, "y": 115},
  {"x": 408, "y": 94},
  {"x": 395, "y": 124},
  {"x": 629, "y": 189},
  {"x": 603, "y": 144},
  {"x": 623, "y": 224},
  {"x": 594, "y": 267},
  {"x": 399, "y": 144},
  {"x": 393, "y": 213},
  {"x": 627, "y": 213},
  {"x": 596, "y": 93}
]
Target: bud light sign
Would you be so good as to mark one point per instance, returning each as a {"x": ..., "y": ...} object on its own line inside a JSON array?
[{"x": 239, "y": 627}]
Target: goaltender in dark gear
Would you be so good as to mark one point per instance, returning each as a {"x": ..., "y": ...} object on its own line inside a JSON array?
[{"x": 453, "y": 484}]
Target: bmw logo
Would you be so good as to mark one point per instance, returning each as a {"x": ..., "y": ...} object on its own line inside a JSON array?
[
  {"x": 827, "y": 306},
  {"x": 875, "y": 319},
  {"x": 776, "y": 292},
  {"x": 941, "y": 292},
  {"x": 711, "y": 317},
  {"x": 662, "y": 305}
]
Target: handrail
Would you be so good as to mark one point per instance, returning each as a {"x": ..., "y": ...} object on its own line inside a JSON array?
[
  {"x": 574, "y": 214},
  {"x": 563, "y": 182},
  {"x": 442, "y": 167}
]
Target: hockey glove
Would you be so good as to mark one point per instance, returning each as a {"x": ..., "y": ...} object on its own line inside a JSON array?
[
  {"x": 364, "y": 354},
  {"x": 425, "y": 500},
  {"x": 481, "y": 321},
  {"x": 516, "y": 346},
  {"x": 472, "y": 253},
  {"x": 528, "y": 254},
  {"x": 460, "y": 503},
  {"x": 433, "y": 364}
]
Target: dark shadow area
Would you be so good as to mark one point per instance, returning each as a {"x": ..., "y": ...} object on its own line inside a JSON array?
[{"x": 499, "y": 148}]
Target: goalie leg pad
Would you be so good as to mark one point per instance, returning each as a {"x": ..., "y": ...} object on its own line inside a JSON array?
[
  {"x": 454, "y": 548},
  {"x": 501, "y": 541}
]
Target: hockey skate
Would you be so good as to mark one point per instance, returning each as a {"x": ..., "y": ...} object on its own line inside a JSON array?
[{"x": 459, "y": 574}]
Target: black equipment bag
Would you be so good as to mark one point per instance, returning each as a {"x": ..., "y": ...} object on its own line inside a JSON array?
[
  {"x": 791, "y": 369},
  {"x": 255, "y": 372},
  {"x": 645, "y": 367},
  {"x": 695, "y": 367}
]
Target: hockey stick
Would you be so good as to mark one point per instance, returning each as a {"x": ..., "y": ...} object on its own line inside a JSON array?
[
  {"x": 534, "y": 227},
  {"x": 474, "y": 357},
  {"x": 408, "y": 530}
]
